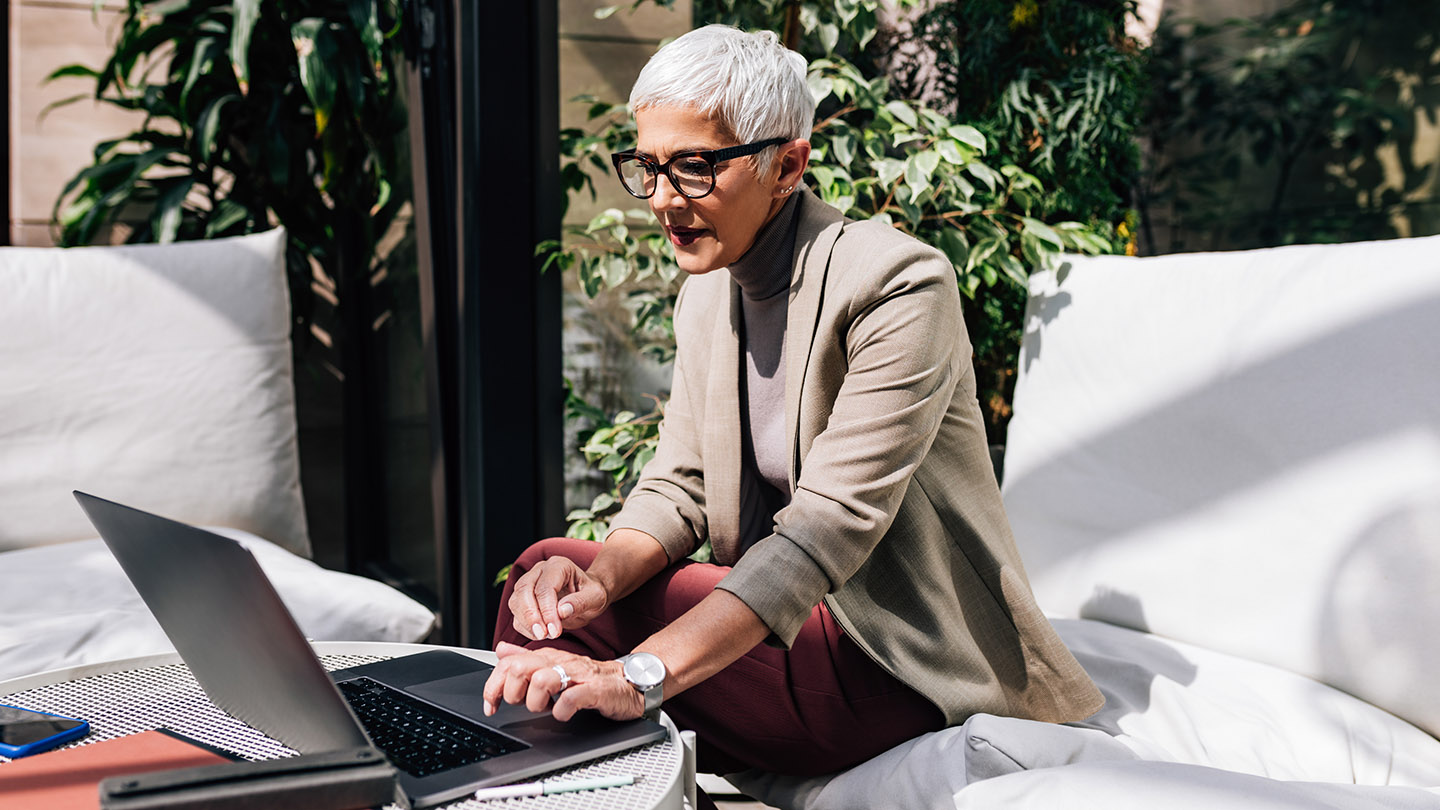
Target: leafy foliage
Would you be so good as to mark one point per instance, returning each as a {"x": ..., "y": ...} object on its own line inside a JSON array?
[
  {"x": 1309, "y": 91},
  {"x": 254, "y": 112},
  {"x": 875, "y": 155},
  {"x": 1056, "y": 87}
]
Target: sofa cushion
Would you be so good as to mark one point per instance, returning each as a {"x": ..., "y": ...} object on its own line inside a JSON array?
[
  {"x": 1242, "y": 451},
  {"x": 154, "y": 375},
  {"x": 68, "y": 604}
]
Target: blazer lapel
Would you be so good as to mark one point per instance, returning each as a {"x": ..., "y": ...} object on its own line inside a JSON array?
[
  {"x": 721, "y": 442},
  {"x": 819, "y": 227}
]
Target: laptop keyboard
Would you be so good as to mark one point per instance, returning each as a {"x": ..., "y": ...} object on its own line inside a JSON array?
[{"x": 418, "y": 738}]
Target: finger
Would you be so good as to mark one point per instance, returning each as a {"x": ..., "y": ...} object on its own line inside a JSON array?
[
  {"x": 557, "y": 579},
  {"x": 613, "y": 702},
  {"x": 517, "y": 681},
  {"x": 491, "y": 692},
  {"x": 545, "y": 684},
  {"x": 577, "y": 609},
  {"x": 578, "y": 696},
  {"x": 505, "y": 649},
  {"x": 524, "y": 608},
  {"x": 494, "y": 690}
]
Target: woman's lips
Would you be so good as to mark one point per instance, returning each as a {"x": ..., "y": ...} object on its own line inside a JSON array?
[{"x": 680, "y": 237}]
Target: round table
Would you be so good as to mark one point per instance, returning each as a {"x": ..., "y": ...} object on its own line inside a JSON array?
[{"x": 137, "y": 694}]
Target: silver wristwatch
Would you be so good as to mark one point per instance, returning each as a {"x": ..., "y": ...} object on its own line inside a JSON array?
[{"x": 646, "y": 672}]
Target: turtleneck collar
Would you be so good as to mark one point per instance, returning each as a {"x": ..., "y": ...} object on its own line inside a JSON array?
[{"x": 764, "y": 271}]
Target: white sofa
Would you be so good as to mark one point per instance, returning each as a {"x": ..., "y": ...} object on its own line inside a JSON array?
[
  {"x": 1223, "y": 473},
  {"x": 158, "y": 376}
]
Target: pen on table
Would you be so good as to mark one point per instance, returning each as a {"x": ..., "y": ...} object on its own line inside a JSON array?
[{"x": 554, "y": 786}]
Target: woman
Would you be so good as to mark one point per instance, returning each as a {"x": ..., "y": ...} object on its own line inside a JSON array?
[{"x": 823, "y": 434}]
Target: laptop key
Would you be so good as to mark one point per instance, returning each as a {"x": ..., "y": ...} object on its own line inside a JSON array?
[{"x": 417, "y": 738}]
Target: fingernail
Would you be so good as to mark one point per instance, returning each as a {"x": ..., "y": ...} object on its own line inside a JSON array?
[
  {"x": 566, "y": 609},
  {"x": 554, "y": 631},
  {"x": 536, "y": 631},
  {"x": 489, "y": 708}
]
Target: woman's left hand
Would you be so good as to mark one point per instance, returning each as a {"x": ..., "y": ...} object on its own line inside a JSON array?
[{"x": 530, "y": 677}]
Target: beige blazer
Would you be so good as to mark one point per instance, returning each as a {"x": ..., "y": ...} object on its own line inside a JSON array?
[{"x": 896, "y": 520}]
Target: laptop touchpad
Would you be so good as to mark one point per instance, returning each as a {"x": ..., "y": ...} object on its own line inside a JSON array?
[{"x": 465, "y": 695}]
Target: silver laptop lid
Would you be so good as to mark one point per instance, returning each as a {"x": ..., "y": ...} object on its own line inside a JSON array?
[{"x": 230, "y": 627}]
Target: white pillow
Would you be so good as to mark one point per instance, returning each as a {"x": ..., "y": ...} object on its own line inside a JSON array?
[
  {"x": 154, "y": 375},
  {"x": 1242, "y": 451},
  {"x": 1148, "y": 785},
  {"x": 1165, "y": 702},
  {"x": 70, "y": 603}
]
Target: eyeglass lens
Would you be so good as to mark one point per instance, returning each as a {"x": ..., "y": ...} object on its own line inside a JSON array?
[{"x": 691, "y": 176}]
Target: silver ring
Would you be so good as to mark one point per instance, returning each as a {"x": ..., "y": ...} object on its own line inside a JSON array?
[{"x": 564, "y": 676}]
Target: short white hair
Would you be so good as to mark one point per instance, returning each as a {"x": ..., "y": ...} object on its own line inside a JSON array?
[{"x": 748, "y": 82}]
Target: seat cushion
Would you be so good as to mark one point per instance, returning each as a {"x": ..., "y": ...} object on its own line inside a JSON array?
[
  {"x": 158, "y": 376},
  {"x": 1242, "y": 451}
]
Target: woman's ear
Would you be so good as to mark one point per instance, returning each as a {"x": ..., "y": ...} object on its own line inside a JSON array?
[{"x": 793, "y": 158}]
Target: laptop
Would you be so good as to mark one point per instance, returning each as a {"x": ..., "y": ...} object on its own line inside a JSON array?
[{"x": 248, "y": 654}]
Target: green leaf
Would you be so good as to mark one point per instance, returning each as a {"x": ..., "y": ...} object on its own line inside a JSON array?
[
  {"x": 824, "y": 176},
  {"x": 616, "y": 270},
  {"x": 950, "y": 151},
  {"x": 642, "y": 457},
  {"x": 247, "y": 13},
  {"x": 209, "y": 124},
  {"x": 364, "y": 16},
  {"x": 602, "y": 502},
  {"x": 820, "y": 86},
  {"x": 969, "y": 136},
  {"x": 614, "y": 461},
  {"x": 888, "y": 170},
  {"x": 227, "y": 214},
  {"x": 77, "y": 71},
  {"x": 902, "y": 111},
  {"x": 201, "y": 63},
  {"x": 843, "y": 146},
  {"x": 992, "y": 179},
  {"x": 315, "y": 51},
  {"x": 982, "y": 251},
  {"x": 605, "y": 219},
  {"x": 829, "y": 37},
  {"x": 1043, "y": 232},
  {"x": 170, "y": 210},
  {"x": 1014, "y": 270},
  {"x": 953, "y": 244}
]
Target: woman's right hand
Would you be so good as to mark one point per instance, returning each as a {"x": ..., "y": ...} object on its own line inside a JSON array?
[{"x": 556, "y": 595}]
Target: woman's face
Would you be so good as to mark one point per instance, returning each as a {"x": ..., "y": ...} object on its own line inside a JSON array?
[{"x": 715, "y": 230}]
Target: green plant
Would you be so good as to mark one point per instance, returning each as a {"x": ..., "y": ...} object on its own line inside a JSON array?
[
  {"x": 876, "y": 155},
  {"x": 1056, "y": 87},
  {"x": 1250, "y": 106},
  {"x": 253, "y": 113}
]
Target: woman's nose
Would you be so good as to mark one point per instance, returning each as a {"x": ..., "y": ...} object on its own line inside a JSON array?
[{"x": 666, "y": 196}]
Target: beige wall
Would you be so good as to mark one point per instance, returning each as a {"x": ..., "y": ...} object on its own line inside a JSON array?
[
  {"x": 602, "y": 58},
  {"x": 597, "y": 57},
  {"x": 46, "y": 152}
]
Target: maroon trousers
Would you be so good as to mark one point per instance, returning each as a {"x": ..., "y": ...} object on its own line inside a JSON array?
[{"x": 819, "y": 707}]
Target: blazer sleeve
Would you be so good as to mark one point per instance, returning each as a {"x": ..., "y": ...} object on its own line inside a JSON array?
[
  {"x": 889, "y": 386},
  {"x": 668, "y": 501}
]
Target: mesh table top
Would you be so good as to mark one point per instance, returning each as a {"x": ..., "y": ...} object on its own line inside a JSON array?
[{"x": 129, "y": 701}]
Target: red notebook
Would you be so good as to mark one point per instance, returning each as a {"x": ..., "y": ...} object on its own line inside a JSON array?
[{"x": 69, "y": 779}]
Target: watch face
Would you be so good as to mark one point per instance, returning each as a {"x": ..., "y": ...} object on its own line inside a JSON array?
[{"x": 644, "y": 670}]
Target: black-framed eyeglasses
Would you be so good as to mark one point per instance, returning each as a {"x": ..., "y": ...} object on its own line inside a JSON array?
[{"x": 691, "y": 173}]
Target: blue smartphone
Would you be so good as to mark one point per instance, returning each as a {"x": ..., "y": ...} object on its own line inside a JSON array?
[{"x": 24, "y": 732}]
